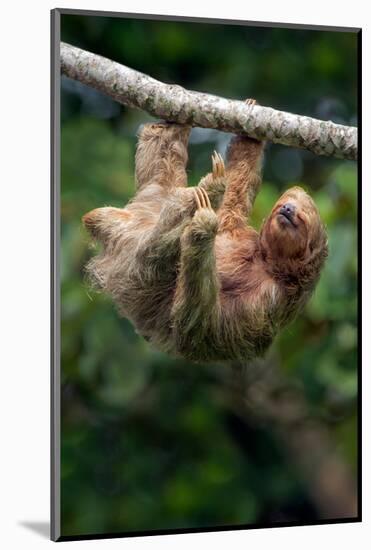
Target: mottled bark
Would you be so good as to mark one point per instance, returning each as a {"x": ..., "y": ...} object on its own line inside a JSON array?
[{"x": 174, "y": 103}]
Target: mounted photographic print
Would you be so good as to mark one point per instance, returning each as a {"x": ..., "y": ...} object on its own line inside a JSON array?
[{"x": 205, "y": 194}]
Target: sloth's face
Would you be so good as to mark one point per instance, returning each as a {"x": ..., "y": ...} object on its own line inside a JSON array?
[{"x": 294, "y": 228}]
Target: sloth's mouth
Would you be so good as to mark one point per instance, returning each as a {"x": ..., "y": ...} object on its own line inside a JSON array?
[{"x": 286, "y": 218}]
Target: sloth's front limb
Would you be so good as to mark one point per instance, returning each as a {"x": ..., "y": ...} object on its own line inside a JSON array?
[
  {"x": 244, "y": 157},
  {"x": 161, "y": 155},
  {"x": 196, "y": 308}
]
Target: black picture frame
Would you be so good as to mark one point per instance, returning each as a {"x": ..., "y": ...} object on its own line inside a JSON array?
[{"x": 55, "y": 273}]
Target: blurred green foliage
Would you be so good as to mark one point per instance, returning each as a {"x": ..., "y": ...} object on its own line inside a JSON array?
[{"x": 149, "y": 442}]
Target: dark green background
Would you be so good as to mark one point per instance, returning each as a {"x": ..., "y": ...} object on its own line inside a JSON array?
[{"x": 153, "y": 443}]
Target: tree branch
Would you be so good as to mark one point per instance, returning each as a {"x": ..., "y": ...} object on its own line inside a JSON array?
[{"x": 174, "y": 103}]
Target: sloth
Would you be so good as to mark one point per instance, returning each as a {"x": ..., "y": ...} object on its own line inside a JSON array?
[{"x": 183, "y": 263}]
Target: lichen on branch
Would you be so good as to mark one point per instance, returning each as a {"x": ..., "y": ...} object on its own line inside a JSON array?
[{"x": 174, "y": 103}]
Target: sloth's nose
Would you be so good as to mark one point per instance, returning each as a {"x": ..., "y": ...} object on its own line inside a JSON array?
[{"x": 288, "y": 210}]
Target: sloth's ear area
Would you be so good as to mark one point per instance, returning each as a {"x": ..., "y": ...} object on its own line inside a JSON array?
[{"x": 102, "y": 222}]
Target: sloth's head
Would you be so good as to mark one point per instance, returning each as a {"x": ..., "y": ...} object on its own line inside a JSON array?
[{"x": 294, "y": 233}]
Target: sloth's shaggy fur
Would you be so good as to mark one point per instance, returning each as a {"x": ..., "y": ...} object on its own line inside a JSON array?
[{"x": 184, "y": 265}]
